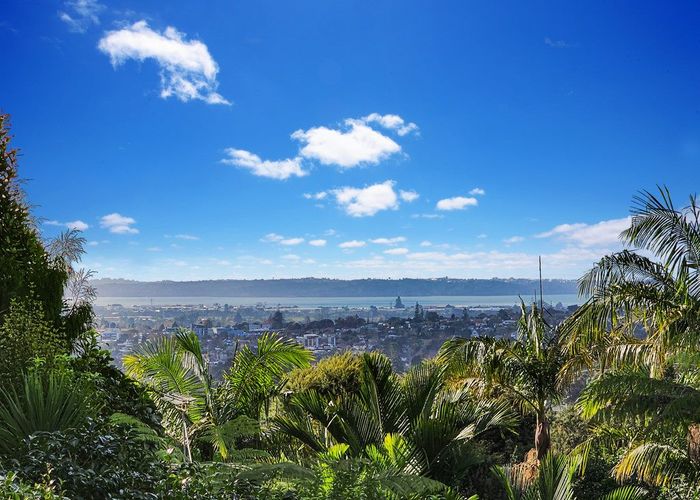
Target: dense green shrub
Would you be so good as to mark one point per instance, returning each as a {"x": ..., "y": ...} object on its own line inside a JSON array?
[
  {"x": 96, "y": 460},
  {"x": 25, "y": 335}
]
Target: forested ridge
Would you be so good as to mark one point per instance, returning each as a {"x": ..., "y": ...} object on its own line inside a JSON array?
[{"x": 605, "y": 405}]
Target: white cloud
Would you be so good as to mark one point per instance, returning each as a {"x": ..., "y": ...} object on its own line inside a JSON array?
[
  {"x": 292, "y": 241},
  {"x": 187, "y": 70},
  {"x": 318, "y": 243},
  {"x": 118, "y": 224},
  {"x": 352, "y": 244},
  {"x": 408, "y": 196},
  {"x": 272, "y": 238},
  {"x": 396, "y": 251},
  {"x": 154, "y": 249},
  {"x": 356, "y": 145},
  {"x": 392, "y": 122},
  {"x": 456, "y": 203},
  {"x": 426, "y": 243},
  {"x": 363, "y": 202},
  {"x": 316, "y": 196},
  {"x": 389, "y": 241},
  {"x": 513, "y": 240},
  {"x": 291, "y": 256},
  {"x": 79, "y": 15},
  {"x": 606, "y": 232},
  {"x": 278, "y": 238},
  {"x": 477, "y": 191},
  {"x": 482, "y": 236},
  {"x": 278, "y": 169},
  {"x": 186, "y": 237},
  {"x": 76, "y": 225}
]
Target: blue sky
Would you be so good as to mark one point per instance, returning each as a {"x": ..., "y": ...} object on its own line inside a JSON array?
[{"x": 349, "y": 139}]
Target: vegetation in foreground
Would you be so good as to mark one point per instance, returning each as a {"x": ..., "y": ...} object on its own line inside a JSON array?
[{"x": 605, "y": 405}]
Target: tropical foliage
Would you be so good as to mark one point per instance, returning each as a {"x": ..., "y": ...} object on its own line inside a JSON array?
[{"x": 350, "y": 426}]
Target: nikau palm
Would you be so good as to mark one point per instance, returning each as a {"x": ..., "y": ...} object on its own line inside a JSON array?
[
  {"x": 176, "y": 373},
  {"x": 433, "y": 424},
  {"x": 643, "y": 319},
  {"x": 533, "y": 371}
]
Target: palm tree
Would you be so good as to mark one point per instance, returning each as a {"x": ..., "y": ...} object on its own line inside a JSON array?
[
  {"x": 555, "y": 479},
  {"x": 643, "y": 319},
  {"x": 434, "y": 423},
  {"x": 653, "y": 419},
  {"x": 381, "y": 473},
  {"x": 177, "y": 375},
  {"x": 654, "y": 290},
  {"x": 533, "y": 371}
]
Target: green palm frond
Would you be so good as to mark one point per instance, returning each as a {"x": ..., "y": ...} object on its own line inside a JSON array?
[
  {"x": 255, "y": 375},
  {"x": 223, "y": 436},
  {"x": 654, "y": 463},
  {"x": 627, "y": 493},
  {"x": 554, "y": 479}
]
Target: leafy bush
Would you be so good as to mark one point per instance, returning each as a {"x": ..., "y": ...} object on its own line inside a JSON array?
[
  {"x": 25, "y": 334},
  {"x": 96, "y": 460},
  {"x": 11, "y": 488}
]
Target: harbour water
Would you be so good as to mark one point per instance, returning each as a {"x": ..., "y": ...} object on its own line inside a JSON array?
[{"x": 335, "y": 302}]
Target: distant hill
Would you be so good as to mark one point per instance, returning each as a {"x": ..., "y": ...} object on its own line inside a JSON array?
[{"x": 317, "y": 287}]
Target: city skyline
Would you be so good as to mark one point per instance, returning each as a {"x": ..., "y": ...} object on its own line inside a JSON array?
[{"x": 266, "y": 140}]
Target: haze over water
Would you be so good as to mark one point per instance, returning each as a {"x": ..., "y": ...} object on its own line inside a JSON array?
[{"x": 311, "y": 302}]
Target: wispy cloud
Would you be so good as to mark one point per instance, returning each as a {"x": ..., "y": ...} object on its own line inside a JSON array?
[
  {"x": 396, "y": 251},
  {"x": 318, "y": 243},
  {"x": 118, "y": 224},
  {"x": 602, "y": 233},
  {"x": 513, "y": 240},
  {"x": 187, "y": 70},
  {"x": 277, "y": 169},
  {"x": 291, "y": 241},
  {"x": 392, "y": 122},
  {"x": 558, "y": 44},
  {"x": 477, "y": 191},
  {"x": 352, "y": 244},
  {"x": 427, "y": 216},
  {"x": 76, "y": 225},
  {"x": 456, "y": 203},
  {"x": 389, "y": 241},
  {"x": 321, "y": 195},
  {"x": 408, "y": 196},
  {"x": 79, "y": 15},
  {"x": 186, "y": 237},
  {"x": 282, "y": 240}
]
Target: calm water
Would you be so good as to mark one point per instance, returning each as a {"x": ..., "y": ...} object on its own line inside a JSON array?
[{"x": 312, "y": 302}]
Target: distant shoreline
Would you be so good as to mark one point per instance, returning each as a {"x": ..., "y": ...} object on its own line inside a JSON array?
[
  {"x": 325, "y": 288},
  {"x": 382, "y": 302}
]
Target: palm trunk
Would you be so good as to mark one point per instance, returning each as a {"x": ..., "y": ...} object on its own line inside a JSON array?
[
  {"x": 542, "y": 438},
  {"x": 694, "y": 443}
]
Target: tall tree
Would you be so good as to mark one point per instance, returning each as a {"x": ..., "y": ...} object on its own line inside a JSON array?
[
  {"x": 533, "y": 371},
  {"x": 32, "y": 273}
]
